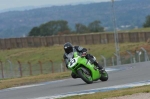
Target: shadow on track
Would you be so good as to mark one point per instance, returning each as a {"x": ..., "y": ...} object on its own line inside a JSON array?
[{"x": 80, "y": 84}]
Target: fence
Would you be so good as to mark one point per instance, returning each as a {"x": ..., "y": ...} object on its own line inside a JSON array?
[
  {"x": 98, "y": 38},
  {"x": 19, "y": 69},
  {"x": 139, "y": 56}
]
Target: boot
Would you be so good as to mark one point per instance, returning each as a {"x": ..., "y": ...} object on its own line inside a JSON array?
[{"x": 101, "y": 69}]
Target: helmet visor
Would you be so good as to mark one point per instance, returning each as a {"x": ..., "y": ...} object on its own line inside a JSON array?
[{"x": 68, "y": 50}]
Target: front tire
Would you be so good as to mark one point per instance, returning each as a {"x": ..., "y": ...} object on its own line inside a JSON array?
[
  {"x": 84, "y": 76},
  {"x": 74, "y": 75}
]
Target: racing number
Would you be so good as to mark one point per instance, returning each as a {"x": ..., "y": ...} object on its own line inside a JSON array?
[{"x": 72, "y": 61}]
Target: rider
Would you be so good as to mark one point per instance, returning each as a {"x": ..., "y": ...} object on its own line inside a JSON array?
[{"x": 69, "y": 48}]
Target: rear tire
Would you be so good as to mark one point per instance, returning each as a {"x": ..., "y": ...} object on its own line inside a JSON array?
[
  {"x": 84, "y": 76},
  {"x": 104, "y": 76}
]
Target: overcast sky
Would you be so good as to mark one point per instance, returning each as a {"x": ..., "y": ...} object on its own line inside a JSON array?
[{"x": 6, "y": 4}]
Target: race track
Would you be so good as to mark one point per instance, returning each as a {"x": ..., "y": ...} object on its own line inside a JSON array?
[{"x": 122, "y": 75}]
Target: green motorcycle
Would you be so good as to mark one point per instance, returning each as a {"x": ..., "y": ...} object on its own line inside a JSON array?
[{"x": 83, "y": 69}]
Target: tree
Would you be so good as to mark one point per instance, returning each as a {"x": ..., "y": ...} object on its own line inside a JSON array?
[
  {"x": 80, "y": 28},
  {"x": 50, "y": 28},
  {"x": 95, "y": 26},
  {"x": 35, "y": 31},
  {"x": 147, "y": 22}
]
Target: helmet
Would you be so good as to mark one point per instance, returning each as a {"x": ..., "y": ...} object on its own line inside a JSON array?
[{"x": 68, "y": 47}]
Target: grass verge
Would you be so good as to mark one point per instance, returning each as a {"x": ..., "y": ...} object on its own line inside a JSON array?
[
  {"x": 55, "y": 53},
  {"x": 116, "y": 93},
  {"x": 7, "y": 83}
]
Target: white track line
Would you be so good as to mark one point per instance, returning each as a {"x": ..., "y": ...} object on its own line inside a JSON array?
[{"x": 92, "y": 91}]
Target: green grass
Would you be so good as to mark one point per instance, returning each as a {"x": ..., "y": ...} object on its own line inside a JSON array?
[
  {"x": 137, "y": 30},
  {"x": 132, "y": 30},
  {"x": 116, "y": 93},
  {"x": 7, "y": 83},
  {"x": 55, "y": 53},
  {"x": 33, "y": 54}
]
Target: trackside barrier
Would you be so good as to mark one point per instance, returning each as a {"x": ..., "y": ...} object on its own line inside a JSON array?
[
  {"x": 92, "y": 38},
  {"x": 11, "y": 68},
  {"x": 2, "y": 69},
  {"x": 145, "y": 54},
  {"x": 41, "y": 69},
  {"x": 140, "y": 55},
  {"x": 113, "y": 63},
  {"x": 64, "y": 67},
  {"x": 20, "y": 68},
  {"x": 52, "y": 66},
  {"x": 104, "y": 60},
  {"x": 131, "y": 56},
  {"x": 30, "y": 68}
]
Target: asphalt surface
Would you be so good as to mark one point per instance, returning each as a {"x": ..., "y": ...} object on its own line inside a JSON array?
[{"x": 126, "y": 74}]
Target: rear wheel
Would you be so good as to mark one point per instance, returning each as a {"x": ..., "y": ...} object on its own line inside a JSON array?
[
  {"x": 104, "y": 76},
  {"x": 85, "y": 75}
]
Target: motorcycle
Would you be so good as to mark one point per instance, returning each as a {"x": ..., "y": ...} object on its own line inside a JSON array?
[{"x": 84, "y": 69}]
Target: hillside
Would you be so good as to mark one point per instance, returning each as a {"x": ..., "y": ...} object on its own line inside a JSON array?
[{"x": 129, "y": 13}]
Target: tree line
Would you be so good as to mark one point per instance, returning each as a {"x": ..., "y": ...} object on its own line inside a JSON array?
[{"x": 60, "y": 27}]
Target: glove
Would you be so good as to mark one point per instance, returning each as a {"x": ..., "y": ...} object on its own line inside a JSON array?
[{"x": 84, "y": 53}]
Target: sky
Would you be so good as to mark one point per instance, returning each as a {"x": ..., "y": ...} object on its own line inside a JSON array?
[{"x": 7, "y": 4}]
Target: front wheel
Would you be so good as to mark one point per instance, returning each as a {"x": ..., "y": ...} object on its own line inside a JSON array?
[
  {"x": 104, "y": 76},
  {"x": 85, "y": 76}
]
